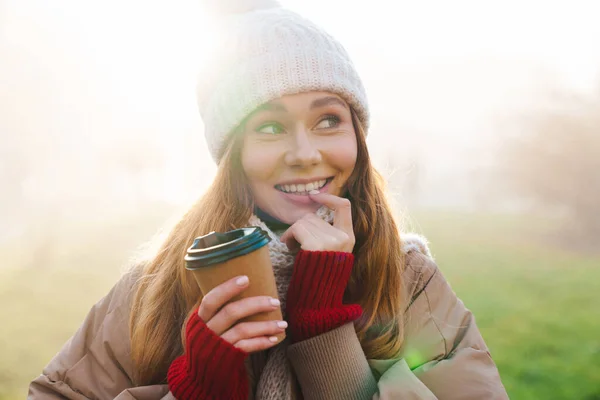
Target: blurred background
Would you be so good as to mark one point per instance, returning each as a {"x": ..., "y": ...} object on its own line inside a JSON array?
[{"x": 486, "y": 121}]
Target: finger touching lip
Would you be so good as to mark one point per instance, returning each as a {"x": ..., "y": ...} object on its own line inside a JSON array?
[{"x": 329, "y": 200}]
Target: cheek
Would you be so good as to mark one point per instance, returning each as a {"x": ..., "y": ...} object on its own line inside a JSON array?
[
  {"x": 343, "y": 155},
  {"x": 259, "y": 165}
]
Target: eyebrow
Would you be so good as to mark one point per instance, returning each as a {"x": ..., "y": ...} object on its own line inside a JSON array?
[
  {"x": 278, "y": 107},
  {"x": 327, "y": 101},
  {"x": 269, "y": 107}
]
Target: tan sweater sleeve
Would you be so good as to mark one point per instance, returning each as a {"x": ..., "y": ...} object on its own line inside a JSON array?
[
  {"x": 444, "y": 356},
  {"x": 333, "y": 366},
  {"x": 95, "y": 363}
]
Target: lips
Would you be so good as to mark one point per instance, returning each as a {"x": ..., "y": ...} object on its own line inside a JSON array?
[{"x": 302, "y": 188}]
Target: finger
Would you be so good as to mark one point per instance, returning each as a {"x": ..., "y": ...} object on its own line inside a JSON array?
[
  {"x": 341, "y": 207},
  {"x": 256, "y": 344},
  {"x": 289, "y": 239},
  {"x": 286, "y": 235},
  {"x": 220, "y": 295},
  {"x": 229, "y": 315},
  {"x": 317, "y": 225},
  {"x": 249, "y": 330},
  {"x": 321, "y": 229},
  {"x": 327, "y": 237},
  {"x": 298, "y": 235}
]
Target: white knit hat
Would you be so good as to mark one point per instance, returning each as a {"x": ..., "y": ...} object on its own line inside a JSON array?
[{"x": 267, "y": 52}]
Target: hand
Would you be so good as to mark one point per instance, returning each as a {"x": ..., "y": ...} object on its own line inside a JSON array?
[
  {"x": 311, "y": 233},
  {"x": 222, "y": 316}
]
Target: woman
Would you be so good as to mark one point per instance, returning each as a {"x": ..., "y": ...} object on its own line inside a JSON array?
[{"x": 368, "y": 314}]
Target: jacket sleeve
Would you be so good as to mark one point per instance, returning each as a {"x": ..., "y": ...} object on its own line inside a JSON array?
[
  {"x": 444, "y": 356},
  {"x": 95, "y": 363}
]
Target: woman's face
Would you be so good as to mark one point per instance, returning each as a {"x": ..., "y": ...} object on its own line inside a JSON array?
[{"x": 296, "y": 144}]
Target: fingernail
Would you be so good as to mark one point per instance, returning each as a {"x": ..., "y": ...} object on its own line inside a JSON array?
[
  {"x": 242, "y": 280},
  {"x": 315, "y": 191},
  {"x": 273, "y": 339},
  {"x": 282, "y": 324},
  {"x": 275, "y": 302}
]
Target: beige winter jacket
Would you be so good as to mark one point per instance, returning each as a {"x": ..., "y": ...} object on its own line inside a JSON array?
[{"x": 444, "y": 356}]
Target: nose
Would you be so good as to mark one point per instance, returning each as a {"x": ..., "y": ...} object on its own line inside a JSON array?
[{"x": 303, "y": 151}]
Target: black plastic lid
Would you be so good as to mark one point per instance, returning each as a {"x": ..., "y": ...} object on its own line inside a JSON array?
[{"x": 217, "y": 247}]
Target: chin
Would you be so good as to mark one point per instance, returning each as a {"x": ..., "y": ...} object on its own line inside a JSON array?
[{"x": 292, "y": 216}]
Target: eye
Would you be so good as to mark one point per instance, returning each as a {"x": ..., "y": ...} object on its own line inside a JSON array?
[
  {"x": 270, "y": 129},
  {"x": 328, "y": 122}
]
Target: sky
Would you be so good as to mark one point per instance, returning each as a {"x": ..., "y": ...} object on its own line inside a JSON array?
[{"x": 439, "y": 75}]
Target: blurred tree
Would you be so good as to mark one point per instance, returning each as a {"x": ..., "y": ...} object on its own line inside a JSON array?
[{"x": 553, "y": 162}]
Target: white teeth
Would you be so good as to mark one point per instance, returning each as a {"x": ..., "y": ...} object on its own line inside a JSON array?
[{"x": 303, "y": 188}]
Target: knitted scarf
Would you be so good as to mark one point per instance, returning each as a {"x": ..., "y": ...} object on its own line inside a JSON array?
[{"x": 270, "y": 371}]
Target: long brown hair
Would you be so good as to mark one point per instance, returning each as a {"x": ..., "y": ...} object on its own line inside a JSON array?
[{"x": 166, "y": 292}]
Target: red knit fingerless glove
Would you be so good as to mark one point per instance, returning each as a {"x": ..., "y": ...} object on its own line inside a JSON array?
[
  {"x": 314, "y": 302},
  {"x": 210, "y": 369}
]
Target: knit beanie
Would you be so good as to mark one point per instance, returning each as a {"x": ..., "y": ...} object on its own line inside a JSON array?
[{"x": 263, "y": 52}]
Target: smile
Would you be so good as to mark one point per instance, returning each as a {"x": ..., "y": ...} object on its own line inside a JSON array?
[{"x": 303, "y": 188}]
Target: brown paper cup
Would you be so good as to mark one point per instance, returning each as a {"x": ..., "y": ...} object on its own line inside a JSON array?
[{"x": 255, "y": 264}]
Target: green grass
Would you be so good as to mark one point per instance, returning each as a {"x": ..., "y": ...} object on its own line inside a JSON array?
[{"x": 536, "y": 305}]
